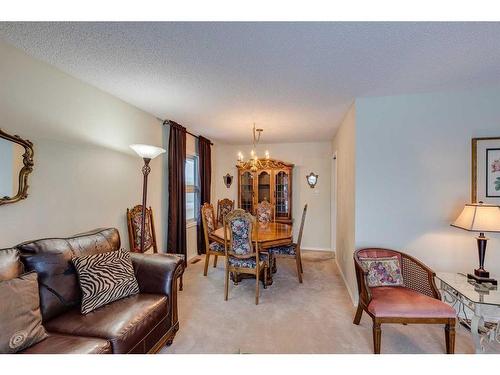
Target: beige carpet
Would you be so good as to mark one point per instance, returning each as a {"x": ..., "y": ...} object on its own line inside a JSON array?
[{"x": 313, "y": 317}]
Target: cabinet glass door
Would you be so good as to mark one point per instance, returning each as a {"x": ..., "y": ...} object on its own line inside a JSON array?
[
  {"x": 282, "y": 187},
  {"x": 247, "y": 191},
  {"x": 264, "y": 186}
]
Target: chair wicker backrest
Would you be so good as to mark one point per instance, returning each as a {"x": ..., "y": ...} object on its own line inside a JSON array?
[
  {"x": 301, "y": 230},
  {"x": 238, "y": 225},
  {"x": 134, "y": 219},
  {"x": 264, "y": 212}
]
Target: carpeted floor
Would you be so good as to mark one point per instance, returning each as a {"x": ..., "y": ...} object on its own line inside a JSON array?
[{"x": 313, "y": 317}]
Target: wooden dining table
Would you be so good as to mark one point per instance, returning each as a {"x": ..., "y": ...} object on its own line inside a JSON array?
[{"x": 267, "y": 235}]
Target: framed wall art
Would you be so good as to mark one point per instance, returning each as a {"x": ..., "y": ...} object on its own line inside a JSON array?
[{"x": 486, "y": 170}]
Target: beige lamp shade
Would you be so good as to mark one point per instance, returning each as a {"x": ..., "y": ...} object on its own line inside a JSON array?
[{"x": 479, "y": 218}]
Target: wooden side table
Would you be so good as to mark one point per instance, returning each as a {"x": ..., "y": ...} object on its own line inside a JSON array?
[{"x": 477, "y": 306}]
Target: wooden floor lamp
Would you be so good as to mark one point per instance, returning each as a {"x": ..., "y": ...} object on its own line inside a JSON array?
[{"x": 147, "y": 153}]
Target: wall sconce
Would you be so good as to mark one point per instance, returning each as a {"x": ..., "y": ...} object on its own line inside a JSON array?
[
  {"x": 228, "y": 180},
  {"x": 312, "y": 179}
]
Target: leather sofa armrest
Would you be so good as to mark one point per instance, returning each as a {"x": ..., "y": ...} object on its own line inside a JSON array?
[{"x": 157, "y": 273}]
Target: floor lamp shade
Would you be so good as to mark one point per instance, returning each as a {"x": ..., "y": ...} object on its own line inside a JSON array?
[
  {"x": 146, "y": 152},
  {"x": 480, "y": 218}
]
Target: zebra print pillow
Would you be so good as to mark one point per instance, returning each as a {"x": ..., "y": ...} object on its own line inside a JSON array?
[{"x": 105, "y": 278}]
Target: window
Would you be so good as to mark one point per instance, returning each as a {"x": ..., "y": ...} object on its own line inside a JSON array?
[{"x": 192, "y": 189}]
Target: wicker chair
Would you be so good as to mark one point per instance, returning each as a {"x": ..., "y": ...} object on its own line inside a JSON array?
[
  {"x": 224, "y": 206},
  {"x": 211, "y": 247},
  {"x": 417, "y": 301},
  {"x": 292, "y": 250},
  {"x": 264, "y": 211},
  {"x": 241, "y": 255}
]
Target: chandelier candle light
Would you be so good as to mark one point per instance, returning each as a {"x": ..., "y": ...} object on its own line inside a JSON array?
[
  {"x": 254, "y": 161},
  {"x": 147, "y": 153}
]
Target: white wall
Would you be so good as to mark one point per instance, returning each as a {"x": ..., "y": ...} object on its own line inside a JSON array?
[
  {"x": 307, "y": 157},
  {"x": 413, "y": 174},
  {"x": 85, "y": 175},
  {"x": 344, "y": 146}
]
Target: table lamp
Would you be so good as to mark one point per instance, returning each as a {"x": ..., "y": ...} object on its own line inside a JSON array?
[
  {"x": 146, "y": 152},
  {"x": 480, "y": 217}
]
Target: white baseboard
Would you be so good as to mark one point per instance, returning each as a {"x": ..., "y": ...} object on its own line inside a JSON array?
[
  {"x": 354, "y": 297},
  {"x": 308, "y": 248}
]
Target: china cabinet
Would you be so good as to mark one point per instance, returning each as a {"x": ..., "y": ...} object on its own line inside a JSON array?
[{"x": 271, "y": 181}]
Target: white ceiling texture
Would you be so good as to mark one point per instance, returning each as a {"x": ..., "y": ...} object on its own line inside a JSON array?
[{"x": 295, "y": 80}]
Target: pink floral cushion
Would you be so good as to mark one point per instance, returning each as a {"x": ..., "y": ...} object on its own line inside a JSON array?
[{"x": 383, "y": 271}]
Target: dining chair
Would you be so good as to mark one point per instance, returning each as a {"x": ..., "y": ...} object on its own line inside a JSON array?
[
  {"x": 134, "y": 221},
  {"x": 394, "y": 287},
  {"x": 211, "y": 247},
  {"x": 224, "y": 206},
  {"x": 292, "y": 250},
  {"x": 264, "y": 211},
  {"x": 241, "y": 255}
]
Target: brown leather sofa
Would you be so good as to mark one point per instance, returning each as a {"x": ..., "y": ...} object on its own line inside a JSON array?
[{"x": 142, "y": 323}]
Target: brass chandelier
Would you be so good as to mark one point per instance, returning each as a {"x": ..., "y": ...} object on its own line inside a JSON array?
[{"x": 254, "y": 162}]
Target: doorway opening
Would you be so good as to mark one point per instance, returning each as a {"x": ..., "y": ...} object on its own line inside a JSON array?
[{"x": 333, "y": 202}]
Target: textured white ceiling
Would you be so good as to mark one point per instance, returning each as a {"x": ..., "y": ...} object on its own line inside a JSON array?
[{"x": 296, "y": 80}]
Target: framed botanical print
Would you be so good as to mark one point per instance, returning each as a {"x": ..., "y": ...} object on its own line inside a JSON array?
[{"x": 486, "y": 170}]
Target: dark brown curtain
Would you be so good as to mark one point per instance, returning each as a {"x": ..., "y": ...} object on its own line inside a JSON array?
[
  {"x": 176, "y": 241},
  {"x": 205, "y": 168}
]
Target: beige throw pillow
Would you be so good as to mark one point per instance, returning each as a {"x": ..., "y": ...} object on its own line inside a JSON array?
[{"x": 21, "y": 319}]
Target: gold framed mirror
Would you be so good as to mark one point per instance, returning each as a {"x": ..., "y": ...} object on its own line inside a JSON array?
[{"x": 16, "y": 163}]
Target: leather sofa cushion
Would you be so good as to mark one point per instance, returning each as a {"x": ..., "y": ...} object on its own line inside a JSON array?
[
  {"x": 65, "y": 344},
  {"x": 10, "y": 264},
  {"x": 51, "y": 259},
  {"x": 124, "y": 322},
  {"x": 394, "y": 302}
]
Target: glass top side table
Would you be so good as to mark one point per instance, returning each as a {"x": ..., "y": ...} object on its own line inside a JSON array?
[{"x": 477, "y": 306}]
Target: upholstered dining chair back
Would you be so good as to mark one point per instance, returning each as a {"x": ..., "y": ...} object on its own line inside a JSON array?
[
  {"x": 208, "y": 222},
  {"x": 224, "y": 206},
  {"x": 238, "y": 226},
  {"x": 208, "y": 218},
  {"x": 264, "y": 212},
  {"x": 134, "y": 218}
]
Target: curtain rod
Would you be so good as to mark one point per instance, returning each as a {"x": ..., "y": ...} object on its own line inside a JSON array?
[{"x": 194, "y": 135}]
